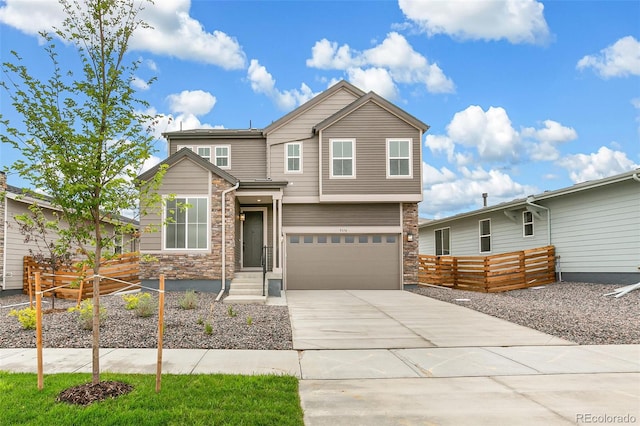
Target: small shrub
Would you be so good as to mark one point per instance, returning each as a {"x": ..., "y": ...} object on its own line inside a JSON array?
[
  {"x": 85, "y": 314},
  {"x": 189, "y": 300},
  {"x": 132, "y": 300},
  {"x": 27, "y": 317},
  {"x": 146, "y": 306},
  {"x": 200, "y": 321},
  {"x": 249, "y": 320},
  {"x": 208, "y": 328},
  {"x": 231, "y": 312}
]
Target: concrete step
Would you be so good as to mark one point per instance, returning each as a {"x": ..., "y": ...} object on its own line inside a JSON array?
[
  {"x": 241, "y": 284},
  {"x": 245, "y": 291},
  {"x": 245, "y": 300}
]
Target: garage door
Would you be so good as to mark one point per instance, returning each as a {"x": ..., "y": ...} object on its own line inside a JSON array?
[{"x": 345, "y": 262}]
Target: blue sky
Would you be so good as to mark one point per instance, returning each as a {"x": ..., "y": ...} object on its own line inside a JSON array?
[{"x": 521, "y": 96}]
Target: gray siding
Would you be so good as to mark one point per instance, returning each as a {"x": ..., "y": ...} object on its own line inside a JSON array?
[
  {"x": 370, "y": 126},
  {"x": 300, "y": 184},
  {"x": 301, "y": 126},
  {"x": 183, "y": 178},
  {"x": 248, "y": 156},
  {"x": 341, "y": 215}
]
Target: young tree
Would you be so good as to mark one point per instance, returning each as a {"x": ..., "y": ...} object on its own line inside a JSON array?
[{"x": 84, "y": 141}]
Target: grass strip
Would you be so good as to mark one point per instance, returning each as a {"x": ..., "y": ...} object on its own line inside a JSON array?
[{"x": 203, "y": 399}]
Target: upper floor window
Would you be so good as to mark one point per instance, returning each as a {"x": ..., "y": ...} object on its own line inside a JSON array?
[
  {"x": 294, "y": 157},
  {"x": 187, "y": 223},
  {"x": 222, "y": 156},
  {"x": 485, "y": 236},
  {"x": 343, "y": 162},
  {"x": 443, "y": 243},
  {"x": 399, "y": 158},
  {"x": 527, "y": 224},
  {"x": 204, "y": 152}
]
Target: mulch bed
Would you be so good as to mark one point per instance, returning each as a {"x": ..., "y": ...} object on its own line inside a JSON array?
[{"x": 89, "y": 393}]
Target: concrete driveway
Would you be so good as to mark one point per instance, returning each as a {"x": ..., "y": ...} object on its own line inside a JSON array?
[{"x": 378, "y": 319}]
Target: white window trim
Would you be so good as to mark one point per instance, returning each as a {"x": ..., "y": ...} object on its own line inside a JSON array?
[
  {"x": 286, "y": 157},
  {"x": 164, "y": 226},
  {"x": 410, "y": 175},
  {"x": 435, "y": 233},
  {"x": 353, "y": 158},
  {"x": 480, "y": 236},
  {"x": 215, "y": 156},
  {"x": 524, "y": 225}
]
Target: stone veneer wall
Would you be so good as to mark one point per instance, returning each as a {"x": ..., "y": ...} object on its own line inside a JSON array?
[
  {"x": 3, "y": 188},
  {"x": 201, "y": 266},
  {"x": 410, "y": 249}
]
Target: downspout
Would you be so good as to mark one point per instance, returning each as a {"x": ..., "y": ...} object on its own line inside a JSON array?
[
  {"x": 224, "y": 240},
  {"x": 538, "y": 206}
]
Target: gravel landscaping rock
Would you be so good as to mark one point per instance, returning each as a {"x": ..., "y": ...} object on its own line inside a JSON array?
[
  {"x": 578, "y": 312},
  {"x": 251, "y": 326}
]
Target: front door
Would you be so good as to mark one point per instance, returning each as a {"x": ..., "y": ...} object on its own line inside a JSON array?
[{"x": 252, "y": 233}]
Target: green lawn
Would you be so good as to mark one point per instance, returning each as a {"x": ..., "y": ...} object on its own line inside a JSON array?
[{"x": 184, "y": 400}]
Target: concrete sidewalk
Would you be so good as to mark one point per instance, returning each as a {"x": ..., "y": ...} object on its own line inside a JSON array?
[{"x": 391, "y": 358}]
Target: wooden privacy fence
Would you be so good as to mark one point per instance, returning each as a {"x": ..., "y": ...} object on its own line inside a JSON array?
[
  {"x": 500, "y": 272},
  {"x": 77, "y": 283}
]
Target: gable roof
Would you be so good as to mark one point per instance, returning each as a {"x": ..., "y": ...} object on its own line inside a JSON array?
[
  {"x": 382, "y": 102},
  {"x": 186, "y": 153},
  {"x": 341, "y": 85},
  {"x": 520, "y": 202}
]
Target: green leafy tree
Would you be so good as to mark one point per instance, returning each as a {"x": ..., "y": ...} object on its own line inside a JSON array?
[{"x": 85, "y": 139}]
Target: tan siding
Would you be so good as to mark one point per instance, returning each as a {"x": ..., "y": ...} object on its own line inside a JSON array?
[
  {"x": 183, "y": 178},
  {"x": 371, "y": 125},
  {"x": 248, "y": 156},
  {"x": 341, "y": 215},
  {"x": 300, "y": 184},
  {"x": 300, "y": 127}
]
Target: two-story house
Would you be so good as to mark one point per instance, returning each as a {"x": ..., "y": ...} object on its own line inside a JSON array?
[{"x": 328, "y": 194}]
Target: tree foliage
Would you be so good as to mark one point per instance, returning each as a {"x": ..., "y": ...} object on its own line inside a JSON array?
[{"x": 84, "y": 137}]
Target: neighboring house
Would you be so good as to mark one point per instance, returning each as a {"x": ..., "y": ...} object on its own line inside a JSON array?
[
  {"x": 329, "y": 193},
  {"x": 594, "y": 226},
  {"x": 16, "y": 201}
]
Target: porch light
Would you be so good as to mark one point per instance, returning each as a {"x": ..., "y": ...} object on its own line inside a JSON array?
[
  {"x": 241, "y": 217},
  {"x": 409, "y": 237}
]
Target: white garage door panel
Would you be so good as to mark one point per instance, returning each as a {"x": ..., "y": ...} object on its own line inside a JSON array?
[{"x": 355, "y": 262}]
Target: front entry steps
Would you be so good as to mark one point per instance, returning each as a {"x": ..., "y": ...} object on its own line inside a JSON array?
[{"x": 246, "y": 288}]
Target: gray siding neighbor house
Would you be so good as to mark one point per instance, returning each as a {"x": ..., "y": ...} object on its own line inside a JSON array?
[
  {"x": 327, "y": 196},
  {"x": 13, "y": 248},
  {"x": 594, "y": 226}
]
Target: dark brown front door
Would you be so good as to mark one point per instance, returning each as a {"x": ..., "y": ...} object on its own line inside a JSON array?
[{"x": 252, "y": 239}]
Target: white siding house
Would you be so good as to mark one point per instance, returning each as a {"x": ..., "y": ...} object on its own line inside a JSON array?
[{"x": 594, "y": 226}]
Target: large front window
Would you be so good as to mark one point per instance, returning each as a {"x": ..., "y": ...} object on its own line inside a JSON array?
[
  {"x": 187, "y": 223},
  {"x": 398, "y": 158},
  {"x": 342, "y": 158}
]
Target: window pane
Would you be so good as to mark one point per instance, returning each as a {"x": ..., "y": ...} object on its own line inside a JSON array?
[
  {"x": 363, "y": 239},
  {"x": 347, "y": 168},
  {"x": 335, "y": 239},
  {"x": 192, "y": 236},
  {"x": 170, "y": 241},
  {"x": 349, "y": 239},
  {"x": 222, "y": 162},
  {"x": 202, "y": 236},
  {"x": 404, "y": 149},
  {"x": 391, "y": 238},
  {"x": 337, "y": 149},
  {"x": 403, "y": 167},
  {"x": 293, "y": 164},
  {"x": 394, "y": 150},
  {"x": 294, "y": 239},
  {"x": 322, "y": 239},
  {"x": 308, "y": 239},
  {"x": 485, "y": 227},
  {"x": 528, "y": 229},
  {"x": 337, "y": 168},
  {"x": 446, "y": 250},
  {"x": 485, "y": 244},
  {"x": 394, "y": 168},
  {"x": 180, "y": 236},
  {"x": 438, "y": 242}
]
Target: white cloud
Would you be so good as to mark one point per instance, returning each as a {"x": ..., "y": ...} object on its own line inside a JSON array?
[
  {"x": 263, "y": 82},
  {"x": 196, "y": 102},
  {"x": 139, "y": 84},
  {"x": 448, "y": 195},
  {"x": 441, "y": 143},
  {"x": 518, "y": 21},
  {"x": 597, "y": 165},
  {"x": 621, "y": 59},
  {"x": 490, "y": 132},
  {"x": 395, "y": 56},
  {"x": 374, "y": 79},
  {"x": 552, "y": 134},
  {"x": 173, "y": 32},
  {"x": 432, "y": 176}
]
